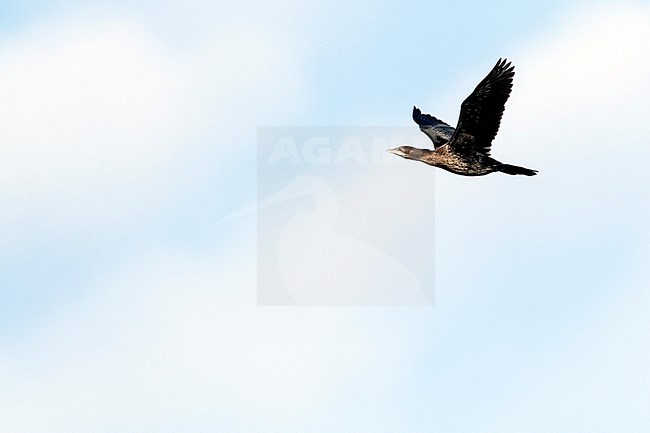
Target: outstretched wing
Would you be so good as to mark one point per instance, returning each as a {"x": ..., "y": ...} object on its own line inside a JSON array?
[
  {"x": 437, "y": 130},
  {"x": 481, "y": 112}
]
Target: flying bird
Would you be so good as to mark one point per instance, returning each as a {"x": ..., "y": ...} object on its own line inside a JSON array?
[{"x": 466, "y": 149}]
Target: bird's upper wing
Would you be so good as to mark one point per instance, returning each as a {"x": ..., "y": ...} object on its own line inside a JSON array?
[
  {"x": 437, "y": 130},
  {"x": 481, "y": 112}
]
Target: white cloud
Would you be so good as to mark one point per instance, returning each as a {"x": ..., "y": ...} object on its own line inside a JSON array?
[
  {"x": 100, "y": 117},
  {"x": 595, "y": 62},
  {"x": 180, "y": 338},
  {"x": 86, "y": 113}
]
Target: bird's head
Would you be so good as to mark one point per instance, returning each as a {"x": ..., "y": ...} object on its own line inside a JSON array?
[{"x": 407, "y": 152}]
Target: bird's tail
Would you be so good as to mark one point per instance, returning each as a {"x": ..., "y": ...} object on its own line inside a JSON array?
[{"x": 513, "y": 169}]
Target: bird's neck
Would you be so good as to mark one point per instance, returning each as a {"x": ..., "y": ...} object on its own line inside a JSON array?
[{"x": 427, "y": 156}]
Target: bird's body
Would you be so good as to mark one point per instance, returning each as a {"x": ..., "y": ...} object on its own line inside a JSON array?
[
  {"x": 471, "y": 164},
  {"x": 465, "y": 150}
]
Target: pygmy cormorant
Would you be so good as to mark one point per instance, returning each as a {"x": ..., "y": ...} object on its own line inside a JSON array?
[{"x": 466, "y": 149}]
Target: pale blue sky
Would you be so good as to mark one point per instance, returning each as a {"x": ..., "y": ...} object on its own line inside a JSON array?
[{"x": 127, "y": 131}]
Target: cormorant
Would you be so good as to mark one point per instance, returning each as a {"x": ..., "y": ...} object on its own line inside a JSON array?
[{"x": 466, "y": 149}]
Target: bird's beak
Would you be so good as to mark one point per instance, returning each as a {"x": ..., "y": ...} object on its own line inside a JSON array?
[{"x": 396, "y": 151}]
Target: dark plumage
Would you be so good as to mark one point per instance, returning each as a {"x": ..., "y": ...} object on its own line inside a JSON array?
[{"x": 466, "y": 149}]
